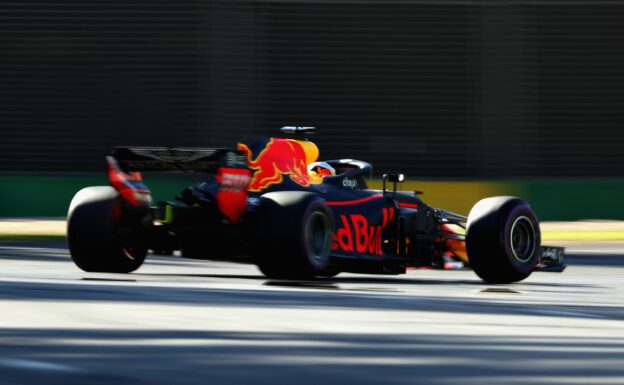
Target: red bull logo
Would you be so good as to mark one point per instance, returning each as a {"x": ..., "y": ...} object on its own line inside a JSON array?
[
  {"x": 357, "y": 235},
  {"x": 278, "y": 158}
]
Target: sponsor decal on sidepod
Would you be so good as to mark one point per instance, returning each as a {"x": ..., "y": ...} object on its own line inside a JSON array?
[{"x": 356, "y": 234}]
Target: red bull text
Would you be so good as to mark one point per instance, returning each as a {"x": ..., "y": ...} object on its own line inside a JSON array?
[{"x": 356, "y": 235}]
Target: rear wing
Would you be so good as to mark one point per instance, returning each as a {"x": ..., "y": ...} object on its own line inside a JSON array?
[
  {"x": 133, "y": 159},
  {"x": 125, "y": 165}
]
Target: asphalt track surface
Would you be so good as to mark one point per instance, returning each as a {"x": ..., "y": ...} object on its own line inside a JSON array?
[{"x": 179, "y": 321}]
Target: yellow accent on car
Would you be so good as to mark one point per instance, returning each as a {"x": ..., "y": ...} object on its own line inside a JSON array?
[
  {"x": 168, "y": 215},
  {"x": 311, "y": 150}
]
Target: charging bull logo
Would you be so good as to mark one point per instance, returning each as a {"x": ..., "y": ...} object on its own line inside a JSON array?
[
  {"x": 278, "y": 158},
  {"x": 356, "y": 235}
]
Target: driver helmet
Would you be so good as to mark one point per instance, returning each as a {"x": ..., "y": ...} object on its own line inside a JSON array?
[{"x": 320, "y": 169}]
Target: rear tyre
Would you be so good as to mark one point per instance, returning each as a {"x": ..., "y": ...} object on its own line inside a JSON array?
[
  {"x": 503, "y": 239},
  {"x": 92, "y": 233},
  {"x": 296, "y": 232}
]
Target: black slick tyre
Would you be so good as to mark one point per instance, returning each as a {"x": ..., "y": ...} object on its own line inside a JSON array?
[
  {"x": 295, "y": 233},
  {"x": 503, "y": 239},
  {"x": 94, "y": 243}
]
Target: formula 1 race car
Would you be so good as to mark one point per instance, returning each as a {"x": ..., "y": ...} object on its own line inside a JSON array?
[{"x": 271, "y": 203}]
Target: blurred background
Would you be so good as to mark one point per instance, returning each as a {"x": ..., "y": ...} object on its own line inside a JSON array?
[{"x": 467, "y": 98}]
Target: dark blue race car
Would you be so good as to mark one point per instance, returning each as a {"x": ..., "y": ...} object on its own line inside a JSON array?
[{"x": 272, "y": 203}]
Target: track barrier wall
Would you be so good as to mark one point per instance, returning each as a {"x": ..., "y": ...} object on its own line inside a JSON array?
[{"x": 448, "y": 89}]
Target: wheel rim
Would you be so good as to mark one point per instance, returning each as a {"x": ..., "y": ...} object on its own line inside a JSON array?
[
  {"x": 318, "y": 238},
  {"x": 129, "y": 252},
  {"x": 522, "y": 240}
]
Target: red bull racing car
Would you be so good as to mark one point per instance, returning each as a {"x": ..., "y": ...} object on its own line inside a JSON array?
[{"x": 271, "y": 203}]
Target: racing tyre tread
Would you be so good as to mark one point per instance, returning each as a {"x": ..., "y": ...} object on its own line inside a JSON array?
[
  {"x": 503, "y": 239},
  {"x": 295, "y": 238},
  {"x": 92, "y": 237}
]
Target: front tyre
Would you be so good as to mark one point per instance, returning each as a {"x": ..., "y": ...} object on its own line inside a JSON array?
[
  {"x": 503, "y": 239},
  {"x": 92, "y": 233}
]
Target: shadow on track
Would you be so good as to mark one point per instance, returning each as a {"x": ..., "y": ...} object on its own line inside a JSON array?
[
  {"x": 398, "y": 280},
  {"x": 192, "y": 357},
  {"x": 136, "y": 292}
]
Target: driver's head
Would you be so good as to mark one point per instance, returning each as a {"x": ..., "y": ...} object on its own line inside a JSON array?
[{"x": 320, "y": 169}]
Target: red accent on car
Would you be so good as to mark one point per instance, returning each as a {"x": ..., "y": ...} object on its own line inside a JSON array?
[
  {"x": 279, "y": 157},
  {"x": 344, "y": 236},
  {"x": 117, "y": 212},
  {"x": 232, "y": 194},
  {"x": 355, "y": 201},
  {"x": 320, "y": 171},
  {"x": 408, "y": 205},
  {"x": 121, "y": 181},
  {"x": 357, "y": 235}
]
